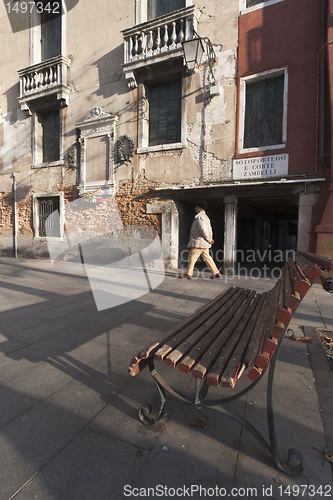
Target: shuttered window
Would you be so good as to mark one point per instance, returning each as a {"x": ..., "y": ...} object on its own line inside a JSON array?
[
  {"x": 50, "y": 35},
  {"x": 165, "y": 113},
  {"x": 264, "y": 112},
  {"x": 50, "y": 136},
  {"x": 48, "y": 217},
  {"x": 158, "y": 8}
]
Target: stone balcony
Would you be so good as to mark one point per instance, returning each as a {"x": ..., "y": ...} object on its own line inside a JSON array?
[
  {"x": 157, "y": 40},
  {"x": 45, "y": 79}
]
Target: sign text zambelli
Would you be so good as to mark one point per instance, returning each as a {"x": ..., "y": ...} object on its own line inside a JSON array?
[{"x": 260, "y": 167}]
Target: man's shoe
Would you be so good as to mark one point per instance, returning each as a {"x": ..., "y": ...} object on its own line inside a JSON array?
[
  {"x": 185, "y": 276},
  {"x": 215, "y": 276}
]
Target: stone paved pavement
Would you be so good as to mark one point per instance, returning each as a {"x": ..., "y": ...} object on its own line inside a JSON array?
[{"x": 69, "y": 409}]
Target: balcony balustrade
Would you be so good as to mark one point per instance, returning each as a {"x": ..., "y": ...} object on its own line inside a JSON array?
[
  {"x": 157, "y": 40},
  {"x": 44, "y": 79}
]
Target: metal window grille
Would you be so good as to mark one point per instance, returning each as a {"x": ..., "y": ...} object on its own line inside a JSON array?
[{"x": 48, "y": 217}]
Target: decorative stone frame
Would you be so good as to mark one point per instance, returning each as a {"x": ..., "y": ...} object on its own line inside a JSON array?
[
  {"x": 35, "y": 214},
  {"x": 97, "y": 124},
  {"x": 242, "y": 105}
]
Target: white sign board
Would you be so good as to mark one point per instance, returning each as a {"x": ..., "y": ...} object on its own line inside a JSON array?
[{"x": 260, "y": 167}]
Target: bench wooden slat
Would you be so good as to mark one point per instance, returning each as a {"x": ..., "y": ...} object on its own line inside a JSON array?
[
  {"x": 136, "y": 369},
  {"x": 182, "y": 348},
  {"x": 284, "y": 314},
  {"x": 235, "y": 330},
  {"x": 310, "y": 270},
  {"x": 253, "y": 347},
  {"x": 294, "y": 298},
  {"x": 237, "y": 364},
  {"x": 205, "y": 351},
  {"x": 300, "y": 282},
  {"x": 204, "y": 323},
  {"x": 148, "y": 351}
]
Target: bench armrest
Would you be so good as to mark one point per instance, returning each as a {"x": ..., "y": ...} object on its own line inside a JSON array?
[{"x": 320, "y": 260}]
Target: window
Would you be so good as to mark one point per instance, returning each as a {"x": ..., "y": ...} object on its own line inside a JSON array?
[
  {"x": 263, "y": 111},
  {"x": 50, "y": 35},
  {"x": 146, "y": 10},
  {"x": 250, "y": 5},
  {"x": 47, "y": 31},
  {"x": 48, "y": 217},
  {"x": 47, "y": 137},
  {"x": 50, "y": 136},
  {"x": 165, "y": 113},
  {"x": 156, "y": 8}
]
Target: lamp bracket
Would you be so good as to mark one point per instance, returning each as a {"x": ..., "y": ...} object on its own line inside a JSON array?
[{"x": 210, "y": 54}]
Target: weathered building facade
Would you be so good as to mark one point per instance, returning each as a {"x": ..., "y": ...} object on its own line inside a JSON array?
[{"x": 98, "y": 105}]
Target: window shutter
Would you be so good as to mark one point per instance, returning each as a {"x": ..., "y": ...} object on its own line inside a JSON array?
[
  {"x": 165, "y": 113},
  {"x": 51, "y": 136},
  {"x": 51, "y": 35},
  {"x": 264, "y": 113},
  {"x": 273, "y": 115}
]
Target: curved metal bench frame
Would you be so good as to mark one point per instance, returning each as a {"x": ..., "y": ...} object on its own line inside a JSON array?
[{"x": 199, "y": 401}]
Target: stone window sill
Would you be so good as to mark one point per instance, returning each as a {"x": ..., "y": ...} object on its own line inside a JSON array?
[{"x": 161, "y": 147}]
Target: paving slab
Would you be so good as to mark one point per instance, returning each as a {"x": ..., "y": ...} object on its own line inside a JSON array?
[
  {"x": 94, "y": 466},
  {"x": 16, "y": 404}
]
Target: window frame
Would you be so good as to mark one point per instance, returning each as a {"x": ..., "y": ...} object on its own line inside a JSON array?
[
  {"x": 265, "y": 3},
  {"x": 37, "y": 138},
  {"x": 165, "y": 108},
  {"x": 35, "y": 214},
  {"x": 242, "y": 107},
  {"x": 35, "y": 53},
  {"x": 143, "y": 113}
]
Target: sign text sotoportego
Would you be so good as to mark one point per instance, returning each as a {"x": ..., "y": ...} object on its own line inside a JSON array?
[{"x": 260, "y": 167}]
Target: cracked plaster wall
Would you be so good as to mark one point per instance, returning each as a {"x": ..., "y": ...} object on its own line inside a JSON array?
[{"x": 210, "y": 122}]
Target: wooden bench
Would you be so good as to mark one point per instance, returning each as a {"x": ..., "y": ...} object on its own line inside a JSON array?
[{"x": 238, "y": 331}]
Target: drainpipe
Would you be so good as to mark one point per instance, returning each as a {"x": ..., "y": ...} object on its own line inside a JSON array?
[
  {"x": 322, "y": 81},
  {"x": 14, "y": 216}
]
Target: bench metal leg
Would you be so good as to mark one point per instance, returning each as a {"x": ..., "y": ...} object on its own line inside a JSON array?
[
  {"x": 198, "y": 401},
  {"x": 292, "y": 470}
]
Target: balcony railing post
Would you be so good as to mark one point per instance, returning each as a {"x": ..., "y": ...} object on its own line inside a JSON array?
[{"x": 181, "y": 32}]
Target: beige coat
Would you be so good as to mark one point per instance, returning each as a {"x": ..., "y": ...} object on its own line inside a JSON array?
[{"x": 201, "y": 232}]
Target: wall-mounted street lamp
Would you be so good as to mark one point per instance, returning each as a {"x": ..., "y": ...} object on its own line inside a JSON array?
[{"x": 193, "y": 52}]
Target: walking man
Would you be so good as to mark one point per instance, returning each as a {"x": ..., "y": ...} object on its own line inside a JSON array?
[{"x": 201, "y": 239}]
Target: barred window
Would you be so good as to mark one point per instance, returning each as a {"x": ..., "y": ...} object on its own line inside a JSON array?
[{"x": 48, "y": 217}]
